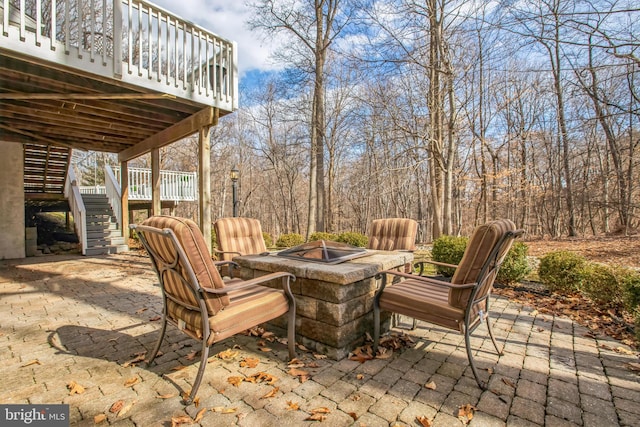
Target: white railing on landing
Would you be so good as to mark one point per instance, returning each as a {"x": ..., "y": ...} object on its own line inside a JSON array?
[
  {"x": 133, "y": 41},
  {"x": 114, "y": 194},
  {"x": 73, "y": 195},
  {"x": 176, "y": 186}
]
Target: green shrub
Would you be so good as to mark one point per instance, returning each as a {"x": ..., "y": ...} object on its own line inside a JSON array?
[
  {"x": 562, "y": 271},
  {"x": 601, "y": 285},
  {"x": 515, "y": 266},
  {"x": 448, "y": 249},
  {"x": 289, "y": 240},
  {"x": 353, "y": 239},
  {"x": 321, "y": 235},
  {"x": 268, "y": 240},
  {"x": 630, "y": 281}
]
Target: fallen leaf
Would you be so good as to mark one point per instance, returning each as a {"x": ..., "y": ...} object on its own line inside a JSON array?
[
  {"x": 131, "y": 381},
  {"x": 292, "y": 406},
  {"x": 356, "y": 397},
  {"x": 466, "y": 411},
  {"x": 196, "y": 401},
  {"x": 302, "y": 375},
  {"x": 262, "y": 377},
  {"x": 249, "y": 362},
  {"x": 139, "y": 357},
  {"x": 316, "y": 417},
  {"x": 116, "y": 406},
  {"x": 141, "y": 310},
  {"x": 227, "y": 354},
  {"x": 431, "y": 385},
  {"x": 99, "y": 418},
  {"x": 360, "y": 377},
  {"x": 224, "y": 410},
  {"x": 633, "y": 366},
  {"x": 424, "y": 421},
  {"x": 178, "y": 368},
  {"x": 272, "y": 393},
  {"x": 75, "y": 388},
  {"x": 265, "y": 349},
  {"x": 320, "y": 356},
  {"x": 353, "y": 415},
  {"x": 199, "y": 415},
  {"x": 126, "y": 408},
  {"x": 235, "y": 381},
  {"x": 508, "y": 382},
  {"x": 302, "y": 348},
  {"x": 269, "y": 336},
  {"x": 191, "y": 355},
  {"x": 165, "y": 396},
  {"x": 183, "y": 419},
  {"x": 155, "y": 318},
  {"x": 321, "y": 410}
]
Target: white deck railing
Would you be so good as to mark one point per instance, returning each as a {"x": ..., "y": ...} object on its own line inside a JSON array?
[
  {"x": 174, "y": 186},
  {"x": 72, "y": 193},
  {"x": 132, "y": 41}
]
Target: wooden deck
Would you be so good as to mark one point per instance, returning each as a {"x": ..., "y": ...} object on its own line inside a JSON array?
[{"x": 124, "y": 79}]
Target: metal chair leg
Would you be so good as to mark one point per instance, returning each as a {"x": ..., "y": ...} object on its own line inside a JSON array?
[
  {"x": 467, "y": 343},
  {"x": 493, "y": 339},
  {"x": 291, "y": 329},
  {"x": 196, "y": 384},
  {"x": 154, "y": 353}
]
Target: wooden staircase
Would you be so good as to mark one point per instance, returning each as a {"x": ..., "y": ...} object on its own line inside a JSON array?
[{"x": 103, "y": 234}]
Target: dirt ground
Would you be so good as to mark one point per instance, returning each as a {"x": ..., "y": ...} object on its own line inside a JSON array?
[{"x": 618, "y": 250}]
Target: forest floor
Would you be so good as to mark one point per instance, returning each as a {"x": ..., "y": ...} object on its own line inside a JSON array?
[{"x": 611, "y": 250}]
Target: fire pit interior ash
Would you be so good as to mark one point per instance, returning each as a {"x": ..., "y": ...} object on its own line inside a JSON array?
[{"x": 324, "y": 252}]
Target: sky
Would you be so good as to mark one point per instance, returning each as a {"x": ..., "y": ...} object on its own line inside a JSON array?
[{"x": 227, "y": 18}]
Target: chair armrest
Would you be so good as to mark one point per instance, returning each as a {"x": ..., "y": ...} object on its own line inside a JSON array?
[
  {"x": 223, "y": 262},
  {"x": 438, "y": 263},
  {"x": 252, "y": 282},
  {"x": 215, "y": 251},
  {"x": 441, "y": 264},
  {"x": 426, "y": 280}
]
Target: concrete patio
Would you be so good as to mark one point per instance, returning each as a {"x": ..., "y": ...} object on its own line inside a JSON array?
[{"x": 67, "y": 318}]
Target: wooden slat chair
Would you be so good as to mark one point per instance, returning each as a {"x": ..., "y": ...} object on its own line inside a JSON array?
[
  {"x": 461, "y": 304},
  {"x": 197, "y": 301}
]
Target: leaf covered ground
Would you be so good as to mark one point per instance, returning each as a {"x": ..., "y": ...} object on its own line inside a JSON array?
[{"x": 621, "y": 251}]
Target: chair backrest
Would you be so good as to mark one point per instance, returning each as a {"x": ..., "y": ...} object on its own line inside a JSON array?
[
  {"x": 487, "y": 248},
  {"x": 239, "y": 236},
  {"x": 392, "y": 234},
  {"x": 182, "y": 261}
]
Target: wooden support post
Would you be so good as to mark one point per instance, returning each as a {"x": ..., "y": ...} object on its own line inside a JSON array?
[
  {"x": 124, "y": 199},
  {"x": 156, "y": 202},
  {"x": 204, "y": 177}
]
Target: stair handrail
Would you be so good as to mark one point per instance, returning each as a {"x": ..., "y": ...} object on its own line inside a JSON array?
[
  {"x": 114, "y": 193},
  {"x": 73, "y": 195}
]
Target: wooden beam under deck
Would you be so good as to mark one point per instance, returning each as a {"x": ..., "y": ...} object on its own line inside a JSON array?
[{"x": 204, "y": 118}]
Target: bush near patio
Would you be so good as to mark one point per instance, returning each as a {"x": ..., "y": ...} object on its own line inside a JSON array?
[
  {"x": 353, "y": 239},
  {"x": 321, "y": 235},
  {"x": 609, "y": 287},
  {"x": 289, "y": 240}
]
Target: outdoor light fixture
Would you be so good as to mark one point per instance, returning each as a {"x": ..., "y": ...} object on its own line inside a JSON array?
[{"x": 234, "y": 175}]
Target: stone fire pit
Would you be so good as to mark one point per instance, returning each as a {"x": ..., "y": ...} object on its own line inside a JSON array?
[{"x": 334, "y": 301}]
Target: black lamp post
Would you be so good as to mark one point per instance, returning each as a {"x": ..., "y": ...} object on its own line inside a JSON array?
[{"x": 234, "y": 175}]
